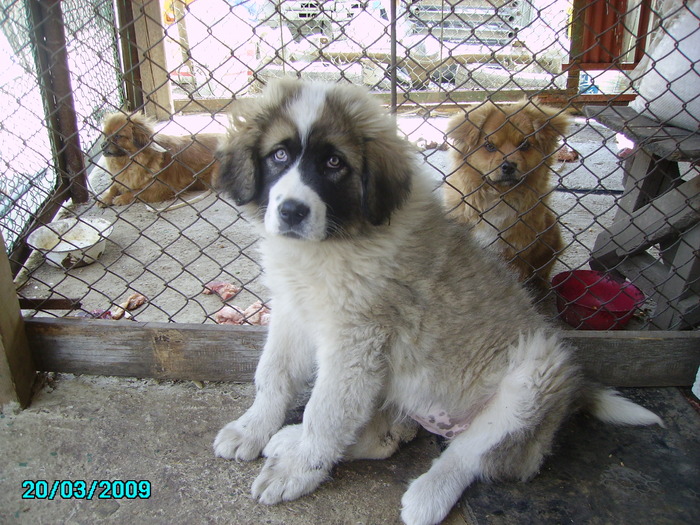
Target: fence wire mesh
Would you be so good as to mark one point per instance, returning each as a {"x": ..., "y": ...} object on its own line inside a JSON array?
[{"x": 566, "y": 193}]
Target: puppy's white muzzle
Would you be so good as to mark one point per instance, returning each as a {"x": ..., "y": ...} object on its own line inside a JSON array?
[{"x": 295, "y": 209}]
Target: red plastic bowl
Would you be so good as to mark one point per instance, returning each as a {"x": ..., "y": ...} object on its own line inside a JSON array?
[{"x": 590, "y": 300}]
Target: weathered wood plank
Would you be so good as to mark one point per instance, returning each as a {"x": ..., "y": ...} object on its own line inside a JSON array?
[
  {"x": 665, "y": 216},
  {"x": 668, "y": 142},
  {"x": 646, "y": 177},
  {"x": 646, "y": 272},
  {"x": 17, "y": 371},
  {"x": 160, "y": 350},
  {"x": 638, "y": 358},
  {"x": 50, "y": 303},
  {"x": 226, "y": 353},
  {"x": 684, "y": 274}
]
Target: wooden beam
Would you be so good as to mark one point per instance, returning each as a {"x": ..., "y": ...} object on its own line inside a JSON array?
[
  {"x": 227, "y": 353},
  {"x": 638, "y": 358},
  {"x": 668, "y": 142},
  {"x": 17, "y": 371},
  {"x": 665, "y": 216},
  {"x": 61, "y": 100},
  {"x": 129, "y": 55},
  {"x": 50, "y": 303},
  {"x": 155, "y": 81},
  {"x": 645, "y": 271},
  {"x": 442, "y": 101},
  {"x": 160, "y": 350},
  {"x": 683, "y": 276}
]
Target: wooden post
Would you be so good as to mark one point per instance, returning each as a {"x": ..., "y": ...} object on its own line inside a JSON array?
[
  {"x": 129, "y": 55},
  {"x": 52, "y": 61},
  {"x": 17, "y": 370},
  {"x": 155, "y": 81}
]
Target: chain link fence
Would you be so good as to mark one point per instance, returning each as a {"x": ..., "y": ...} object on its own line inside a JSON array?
[{"x": 435, "y": 63}]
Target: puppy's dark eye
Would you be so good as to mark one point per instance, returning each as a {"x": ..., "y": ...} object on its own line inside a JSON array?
[
  {"x": 280, "y": 155},
  {"x": 490, "y": 146},
  {"x": 334, "y": 162},
  {"x": 525, "y": 145}
]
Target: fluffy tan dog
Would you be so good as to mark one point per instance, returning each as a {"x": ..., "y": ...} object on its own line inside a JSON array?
[
  {"x": 152, "y": 167},
  {"x": 500, "y": 185}
]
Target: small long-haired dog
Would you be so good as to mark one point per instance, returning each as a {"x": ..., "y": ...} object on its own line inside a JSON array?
[
  {"x": 153, "y": 167},
  {"x": 500, "y": 185}
]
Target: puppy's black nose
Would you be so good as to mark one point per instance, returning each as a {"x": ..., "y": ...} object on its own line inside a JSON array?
[
  {"x": 293, "y": 212},
  {"x": 509, "y": 168}
]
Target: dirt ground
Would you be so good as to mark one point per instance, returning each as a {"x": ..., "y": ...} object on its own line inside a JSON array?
[
  {"x": 86, "y": 428},
  {"x": 169, "y": 256}
]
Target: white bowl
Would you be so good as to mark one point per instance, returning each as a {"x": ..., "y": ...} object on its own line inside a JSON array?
[{"x": 70, "y": 243}]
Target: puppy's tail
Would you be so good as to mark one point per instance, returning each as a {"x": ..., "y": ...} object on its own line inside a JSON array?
[{"x": 609, "y": 406}]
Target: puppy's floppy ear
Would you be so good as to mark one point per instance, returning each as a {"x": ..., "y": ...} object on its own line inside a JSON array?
[
  {"x": 465, "y": 129},
  {"x": 549, "y": 123},
  {"x": 239, "y": 173},
  {"x": 142, "y": 130},
  {"x": 463, "y": 133},
  {"x": 386, "y": 178},
  {"x": 111, "y": 122}
]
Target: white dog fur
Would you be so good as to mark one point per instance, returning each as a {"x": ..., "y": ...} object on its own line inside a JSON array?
[{"x": 392, "y": 311}]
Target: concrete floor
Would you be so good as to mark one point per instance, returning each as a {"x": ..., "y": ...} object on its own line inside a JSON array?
[{"x": 100, "y": 428}]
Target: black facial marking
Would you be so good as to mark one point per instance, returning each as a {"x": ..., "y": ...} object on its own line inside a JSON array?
[
  {"x": 324, "y": 169},
  {"x": 275, "y": 164}
]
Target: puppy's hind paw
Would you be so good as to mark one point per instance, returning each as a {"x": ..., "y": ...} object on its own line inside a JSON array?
[
  {"x": 428, "y": 500},
  {"x": 234, "y": 442}
]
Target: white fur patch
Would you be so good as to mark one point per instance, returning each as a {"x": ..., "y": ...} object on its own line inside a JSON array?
[
  {"x": 498, "y": 218},
  {"x": 609, "y": 406},
  {"x": 307, "y": 108},
  {"x": 291, "y": 187}
]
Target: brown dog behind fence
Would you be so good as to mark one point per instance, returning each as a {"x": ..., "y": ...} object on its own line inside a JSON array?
[
  {"x": 153, "y": 167},
  {"x": 500, "y": 185}
]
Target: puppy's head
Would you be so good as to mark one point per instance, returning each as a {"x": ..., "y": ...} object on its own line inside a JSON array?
[
  {"x": 508, "y": 144},
  {"x": 314, "y": 161},
  {"x": 127, "y": 135}
]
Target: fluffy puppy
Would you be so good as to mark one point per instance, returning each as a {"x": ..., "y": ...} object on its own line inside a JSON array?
[
  {"x": 358, "y": 253},
  {"x": 500, "y": 183},
  {"x": 152, "y": 167}
]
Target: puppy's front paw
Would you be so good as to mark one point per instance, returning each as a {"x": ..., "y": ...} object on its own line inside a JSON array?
[
  {"x": 237, "y": 441},
  {"x": 428, "y": 499},
  {"x": 286, "y": 477},
  {"x": 123, "y": 199},
  {"x": 287, "y": 438},
  {"x": 104, "y": 200}
]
